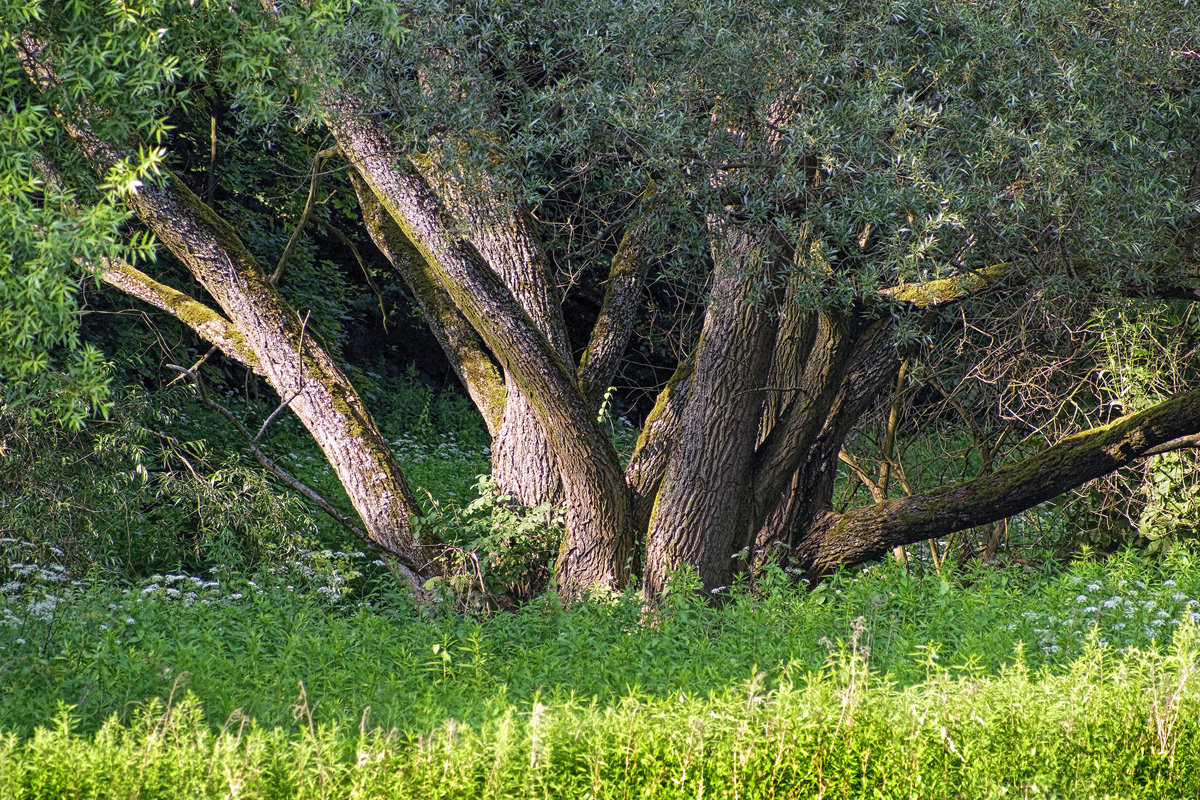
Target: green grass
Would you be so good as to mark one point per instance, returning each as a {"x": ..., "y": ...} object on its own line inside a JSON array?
[
  {"x": 879, "y": 684},
  {"x": 1100, "y": 725}
]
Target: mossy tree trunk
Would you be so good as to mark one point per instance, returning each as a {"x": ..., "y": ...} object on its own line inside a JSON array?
[{"x": 290, "y": 357}]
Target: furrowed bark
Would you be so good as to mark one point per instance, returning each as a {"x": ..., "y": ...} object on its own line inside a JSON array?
[
  {"x": 652, "y": 451},
  {"x": 797, "y": 333},
  {"x": 807, "y": 493},
  {"x": 596, "y": 546},
  {"x": 790, "y": 439},
  {"x": 869, "y": 532},
  {"x": 458, "y": 339},
  {"x": 297, "y": 367},
  {"x": 614, "y": 325},
  {"x": 301, "y": 371},
  {"x": 523, "y": 462},
  {"x": 699, "y": 514}
]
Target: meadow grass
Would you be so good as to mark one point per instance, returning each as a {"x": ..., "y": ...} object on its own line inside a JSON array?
[{"x": 879, "y": 683}]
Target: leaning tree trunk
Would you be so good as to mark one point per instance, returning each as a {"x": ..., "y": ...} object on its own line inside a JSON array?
[
  {"x": 298, "y": 368},
  {"x": 305, "y": 376},
  {"x": 596, "y": 547},
  {"x": 523, "y": 462}
]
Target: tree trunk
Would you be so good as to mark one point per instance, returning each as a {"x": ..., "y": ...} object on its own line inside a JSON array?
[
  {"x": 298, "y": 368},
  {"x": 698, "y": 516},
  {"x": 596, "y": 547},
  {"x": 523, "y": 462},
  {"x": 869, "y": 532}
]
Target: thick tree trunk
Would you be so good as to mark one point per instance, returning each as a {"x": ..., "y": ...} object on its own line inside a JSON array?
[
  {"x": 848, "y": 364},
  {"x": 462, "y": 346},
  {"x": 523, "y": 462},
  {"x": 699, "y": 514}
]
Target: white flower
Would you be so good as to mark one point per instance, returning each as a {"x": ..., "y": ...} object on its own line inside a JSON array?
[
  {"x": 1090, "y": 610},
  {"x": 1168, "y": 582},
  {"x": 44, "y": 609},
  {"x": 1081, "y": 599}
]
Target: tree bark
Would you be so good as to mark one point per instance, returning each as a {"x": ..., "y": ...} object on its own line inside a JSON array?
[
  {"x": 869, "y": 532},
  {"x": 523, "y": 462},
  {"x": 461, "y": 345},
  {"x": 297, "y": 367},
  {"x": 699, "y": 513}
]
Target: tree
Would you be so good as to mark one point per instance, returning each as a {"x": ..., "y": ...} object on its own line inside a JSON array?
[{"x": 824, "y": 180}]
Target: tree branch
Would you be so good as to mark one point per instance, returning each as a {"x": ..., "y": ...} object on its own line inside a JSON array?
[
  {"x": 459, "y": 341},
  {"x": 653, "y": 449},
  {"x": 867, "y": 533},
  {"x": 204, "y": 322},
  {"x": 932, "y": 294},
  {"x": 610, "y": 335}
]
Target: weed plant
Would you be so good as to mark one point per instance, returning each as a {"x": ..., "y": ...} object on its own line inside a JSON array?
[
  {"x": 157, "y": 659},
  {"x": 877, "y": 684}
]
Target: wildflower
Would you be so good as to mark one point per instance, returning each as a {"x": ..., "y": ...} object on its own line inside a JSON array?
[
  {"x": 1112, "y": 602},
  {"x": 1168, "y": 582},
  {"x": 1179, "y": 597},
  {"x": 1090, "y": 610},
  {"x": 1094, "y": 586},
  {"x": 44, "y": 609},
  {"x": 1081, "y": 599}
]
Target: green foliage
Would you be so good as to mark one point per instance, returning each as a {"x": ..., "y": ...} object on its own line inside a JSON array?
[
  {"x": 498, "y": 546},
  {"x": 878, "y": 684},
  {"x": 124, "y": 495},
  {"x": 888, "y": 141}
]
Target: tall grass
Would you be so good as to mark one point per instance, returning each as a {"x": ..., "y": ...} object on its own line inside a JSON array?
[
  {"x": 144, "y": 653},
  {"x": 1104, "y": 726}
]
